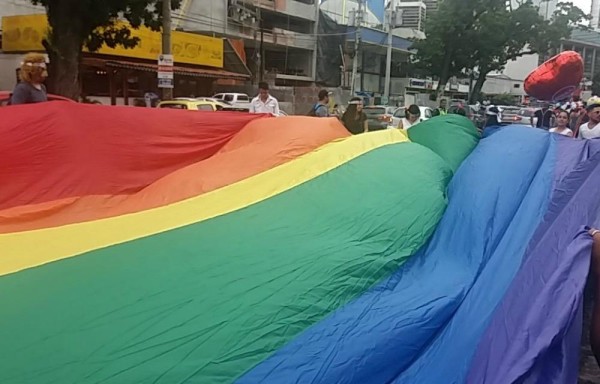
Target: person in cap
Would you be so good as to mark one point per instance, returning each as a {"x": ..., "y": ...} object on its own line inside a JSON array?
[
  {"x": 591, "y": 129},
  {"x": 31, "y": 88},
  {"x": 321, "y": 109}
]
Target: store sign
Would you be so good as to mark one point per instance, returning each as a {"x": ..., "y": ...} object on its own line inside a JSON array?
[
  {"x": 165, "y": 83},
  {"x": 420, "y": 83},
  {"x": 25, "y": 34},
  {"x": 165, "y": 71},
  {"x": 165, "y": 67}
]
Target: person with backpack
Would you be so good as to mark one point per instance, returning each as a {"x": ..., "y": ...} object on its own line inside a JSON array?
[{"x": 321, "y": 109}]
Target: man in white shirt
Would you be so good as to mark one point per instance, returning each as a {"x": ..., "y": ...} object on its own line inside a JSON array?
[
  {"x": 591, "y": 129},
  {"x": 264, "y": 102}
]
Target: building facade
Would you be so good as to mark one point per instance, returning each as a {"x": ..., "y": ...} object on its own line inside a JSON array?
[
  {"x": 595, "y": 13},
  {"x": 119, "y": 75},
  {"x": 587, "y": 44},
  {"x": 414, "y": 14},
  {"x": 278, "y": 36}
]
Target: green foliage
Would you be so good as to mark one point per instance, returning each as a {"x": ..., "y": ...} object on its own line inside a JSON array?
[
  {"x": 459, "y": 41},
  {"x": 442, "y": 53},
  {"x": 504, "y": 99},
  {"x": 94, "y": 22}
]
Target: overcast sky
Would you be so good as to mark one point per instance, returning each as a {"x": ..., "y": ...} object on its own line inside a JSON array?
[{"x": 585, "y": 5}]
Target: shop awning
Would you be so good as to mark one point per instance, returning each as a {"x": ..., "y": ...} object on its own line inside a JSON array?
[
  {"x": 178, "y": 70},
  {"x": 232, "y": 59}
]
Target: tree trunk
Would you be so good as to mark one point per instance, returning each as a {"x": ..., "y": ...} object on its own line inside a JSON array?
[
  {"x": 64, "y": 46},
  {"x": 444, "y": 77},
  {"x": 476, "y": 91},
  {"x": 65, "y": 58}
]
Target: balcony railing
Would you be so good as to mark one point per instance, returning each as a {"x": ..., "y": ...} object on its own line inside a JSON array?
[
  {"x": 299, "y": 9},
  {"x": 282, "y": 37}
]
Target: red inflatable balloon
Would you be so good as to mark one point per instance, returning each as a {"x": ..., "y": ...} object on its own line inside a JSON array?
[{"x": 557, "y": 78}]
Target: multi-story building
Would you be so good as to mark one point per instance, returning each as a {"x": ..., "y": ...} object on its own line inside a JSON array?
[
  {"x": 118, "y": 75},
  {"x": 285, "y": 29},
  {"x": 341, "y": 10},
  {"x": 413, "y": 15},
  {"x": 595, "y": 23},
  {"x": 584, "y": 42},
  {"x": 430, "y": 5}
]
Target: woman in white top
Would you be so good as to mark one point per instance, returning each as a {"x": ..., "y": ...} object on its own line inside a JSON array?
[
  {"x": 413, "y": 117},
  {"x": 562, "y": 119}
]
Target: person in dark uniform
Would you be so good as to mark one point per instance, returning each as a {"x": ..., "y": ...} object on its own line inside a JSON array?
[{"x": 545, "y": 118}]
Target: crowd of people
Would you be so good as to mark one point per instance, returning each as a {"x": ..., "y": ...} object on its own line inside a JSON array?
[{"x": 572, "y": 119}]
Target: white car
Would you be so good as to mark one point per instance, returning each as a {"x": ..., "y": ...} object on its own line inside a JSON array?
[
  {"x": 238, "y": 100},
  {"x": 400, "y": 113}
]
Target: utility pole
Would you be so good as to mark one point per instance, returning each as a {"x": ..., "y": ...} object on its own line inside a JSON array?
[
  {"x": 316, "y": 37},
  {"x": 358, "y": 15},
  {"x": 166, "y": 42},
  {"x": 391, "y": 15},
  {"x": 261, "y": 66},
  {"x": 394, "y": 21}
]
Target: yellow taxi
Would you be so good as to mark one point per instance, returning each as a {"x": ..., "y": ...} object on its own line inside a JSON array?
[{"x": 200, "y": 104}]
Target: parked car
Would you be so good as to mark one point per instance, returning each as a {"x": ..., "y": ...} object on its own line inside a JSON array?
[
  {"x": 525, "y": 115},
  {"x": 199, "y": 105},
  {"x": 510, "y": 115},
  {"x": 5, "y": 98},
  {"x": 239, "y": 100},
  {"x": 400, "y": 113},
  {"x": 379, "y": 116},
  {"x": 208, "y": 99}
]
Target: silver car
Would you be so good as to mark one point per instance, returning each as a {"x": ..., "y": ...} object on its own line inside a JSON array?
[
  {"x": 400, "y": 113},
  {"x": 525, "y": 116}
]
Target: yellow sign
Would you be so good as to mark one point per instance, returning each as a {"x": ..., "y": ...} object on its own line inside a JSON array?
[{"x": 25, "y": 34}]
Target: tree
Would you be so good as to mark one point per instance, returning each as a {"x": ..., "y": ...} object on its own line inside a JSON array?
[
  {"x": 503, "y": 99},
  {"x": 511, "y": 33},
  {"x": 487, "y": 38},
  {"x": 448, "y": 31},
  {"x": 75, "y": 24}
]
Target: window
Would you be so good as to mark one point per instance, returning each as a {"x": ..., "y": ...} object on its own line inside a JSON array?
[
  {"x": 219, "y": 96},
  {"x": 174, "y": 106},
  {"x": 228, "y": 98},
  {"x": 517, "y": 86},
  {"x": 205, "y": 107},
  {"x": 428, "y": 113},
  {"x": 243, "y": 98},
  {"x": 400, "y": 112}
]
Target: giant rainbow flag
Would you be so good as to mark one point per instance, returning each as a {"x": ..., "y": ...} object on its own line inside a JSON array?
[{"x": 158, "y": 246}]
